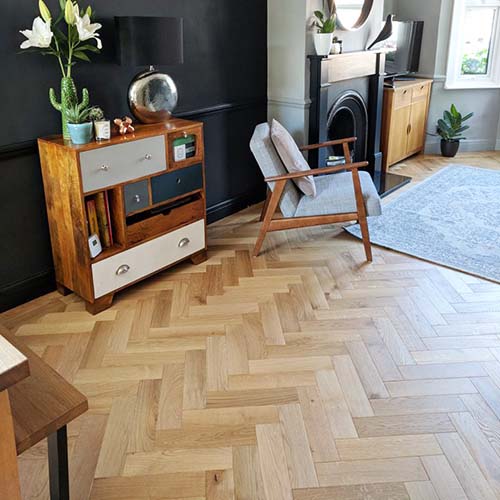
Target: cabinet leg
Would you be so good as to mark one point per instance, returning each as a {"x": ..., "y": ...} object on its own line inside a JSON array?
[
  {"x": 100, "y": 304},
  {"x": 63, "y": 290},
  {"x": 199, "y": 257}
]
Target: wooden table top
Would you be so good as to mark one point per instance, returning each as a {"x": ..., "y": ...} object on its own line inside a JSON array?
[{"x": 43, "y": 402}]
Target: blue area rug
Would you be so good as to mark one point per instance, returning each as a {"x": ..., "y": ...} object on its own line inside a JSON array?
[{"x": 452, "y": 219}]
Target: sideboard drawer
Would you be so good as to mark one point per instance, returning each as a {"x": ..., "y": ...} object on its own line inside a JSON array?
[
  {"x": 176, "y": 183},
  {"x": 402, "y": 97},
  {"x": 136, "y": 196},
  {"x": 120, "y": 163},
  {"x": 131, "y": 265},
  {"x": 420, "y": 92}
]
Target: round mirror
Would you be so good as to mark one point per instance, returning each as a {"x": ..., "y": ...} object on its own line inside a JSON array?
[{"x": 351, "y": 14}]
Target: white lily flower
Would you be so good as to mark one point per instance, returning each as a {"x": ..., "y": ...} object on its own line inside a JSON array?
[
  {"x": 86, "y": 29},
  {"x": 39, "y": 36}
]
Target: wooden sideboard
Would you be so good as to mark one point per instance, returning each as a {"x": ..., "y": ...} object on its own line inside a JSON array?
[
  {"x": 154, "y": 199},
  {"x": 405, "y": 112}
]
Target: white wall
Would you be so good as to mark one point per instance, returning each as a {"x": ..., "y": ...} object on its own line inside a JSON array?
[
  {"x": 286, "y": 90},
  {"x": 485, "y": 127},
  {"x": 289, "y": 44}
]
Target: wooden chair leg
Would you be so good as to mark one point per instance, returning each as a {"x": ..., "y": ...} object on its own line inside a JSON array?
[
  {"x": 270, "y": 209},
  {"x": 266, "y": 204},
  {"x": 363, "y": 223}
]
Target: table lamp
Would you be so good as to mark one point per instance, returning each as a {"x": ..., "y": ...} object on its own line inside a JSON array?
[{"x": 151, "y": 41}]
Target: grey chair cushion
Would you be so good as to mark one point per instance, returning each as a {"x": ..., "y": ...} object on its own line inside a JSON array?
[
  {"x": 292, "y": 158},
  {"x": 335, "y": 195},
  {"x": 271, "y": 165}
]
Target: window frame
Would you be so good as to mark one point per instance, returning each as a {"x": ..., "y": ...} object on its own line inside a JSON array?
[{"x": 454, "y": 77}]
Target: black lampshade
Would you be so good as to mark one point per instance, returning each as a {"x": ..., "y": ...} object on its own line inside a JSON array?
[{"x": 144, "y": 41}]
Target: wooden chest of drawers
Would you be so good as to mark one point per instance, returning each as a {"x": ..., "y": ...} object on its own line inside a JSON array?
[{"x": 154, "y": 207}]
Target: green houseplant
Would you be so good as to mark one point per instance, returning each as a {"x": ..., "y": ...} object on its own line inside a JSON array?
[
  {"x": 79, "y": 123},
  {"x": 324, "y": 26},
  {"x": 450, "y": 128},
  {"x": 65, "y": 37}
]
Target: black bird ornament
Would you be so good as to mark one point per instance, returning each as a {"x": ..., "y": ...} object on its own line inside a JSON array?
[{"x": 385, "y": 33}]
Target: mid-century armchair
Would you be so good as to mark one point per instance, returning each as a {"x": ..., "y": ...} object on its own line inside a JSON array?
[{"x": 344, "y": 193}]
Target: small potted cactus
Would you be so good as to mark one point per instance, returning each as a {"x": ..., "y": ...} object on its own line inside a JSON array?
[
  {"x": 102, "y": 127},
  {"x": 79, "y": 123}
]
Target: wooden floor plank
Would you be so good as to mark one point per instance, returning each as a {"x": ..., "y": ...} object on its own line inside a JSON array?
[
  {"x": 388, "y": 470},
  {"x": 275, "y": 478},
  {"x": 387, "y": 447},
  {"x": 465, "y": 468},
  {"x": 388, "y": 491},
  {"x": 443, "y": 478},
  {"x": 298, "y": 454}
]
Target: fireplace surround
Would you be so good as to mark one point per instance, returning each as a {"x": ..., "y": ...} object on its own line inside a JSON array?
[{"x": 346, "y": 92}]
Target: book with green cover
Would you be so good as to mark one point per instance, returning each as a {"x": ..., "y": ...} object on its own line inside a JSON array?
[{"x": 184, "y": 147}]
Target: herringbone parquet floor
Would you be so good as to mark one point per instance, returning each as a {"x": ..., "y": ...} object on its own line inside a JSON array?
[{"x": 303, "y": 374}]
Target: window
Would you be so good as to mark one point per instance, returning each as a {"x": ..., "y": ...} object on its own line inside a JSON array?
[{"x": 474, "y": 53}]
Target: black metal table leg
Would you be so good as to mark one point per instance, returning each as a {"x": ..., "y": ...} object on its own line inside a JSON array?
[{"x": 58, "y": 465}]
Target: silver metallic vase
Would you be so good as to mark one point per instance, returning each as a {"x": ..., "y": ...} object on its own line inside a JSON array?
[{"x": 152, "y": 96}]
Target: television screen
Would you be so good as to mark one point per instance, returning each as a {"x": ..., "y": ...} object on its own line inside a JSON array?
[{"x": 403, "y": 47}]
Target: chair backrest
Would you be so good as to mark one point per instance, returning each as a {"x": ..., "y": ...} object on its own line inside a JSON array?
[{"x": 271, "y": 165}]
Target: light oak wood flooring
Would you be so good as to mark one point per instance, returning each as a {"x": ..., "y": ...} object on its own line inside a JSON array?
[{"x": 303, "y": 374}]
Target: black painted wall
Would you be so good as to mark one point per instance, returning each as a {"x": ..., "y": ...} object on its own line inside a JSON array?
[{"x": 222, "y": 83}]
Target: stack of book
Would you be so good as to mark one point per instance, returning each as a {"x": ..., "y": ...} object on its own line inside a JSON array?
[
  {"x": 99, "y": 218},
  {"x": 184, "y": 147},
  {"x": 334, "y": 161}
]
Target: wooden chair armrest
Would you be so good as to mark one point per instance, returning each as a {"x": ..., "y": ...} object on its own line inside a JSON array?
[
  {"x": 329, "y": 143},
  {"x": 317, "y": 171}
]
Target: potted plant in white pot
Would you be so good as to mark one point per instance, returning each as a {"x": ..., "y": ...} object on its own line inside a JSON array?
[
  {"x": 102, "y": 127},
  {"x": 79, "y": 124},
  {"x": 323, "y": 36},
  {"x": 450, "y": 128}
]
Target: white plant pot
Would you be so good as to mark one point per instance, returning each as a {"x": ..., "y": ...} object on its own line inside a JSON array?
[
  {"x": 102, "y": 130},
  {"x": 322, "y": 43},
  {"x": 336, "y": 48}
]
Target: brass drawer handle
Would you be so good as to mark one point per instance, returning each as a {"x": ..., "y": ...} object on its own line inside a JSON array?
[
  {"x": 104, "y": 168},
  {"x": 184, "y": 242},
  {"x": 122, "y": 270}
]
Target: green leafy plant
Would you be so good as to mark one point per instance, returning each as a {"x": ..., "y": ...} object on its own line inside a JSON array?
[
  {"x": 76, "y": 113},
  {"x": 476, "y": 63},
  {"x": 451, "y": 126},
  {"x": 96, "y": 114},
  {"x": 324, "y": 23}
]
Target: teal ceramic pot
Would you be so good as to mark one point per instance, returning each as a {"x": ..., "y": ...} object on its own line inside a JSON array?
[{"x": 80, "y": 133}]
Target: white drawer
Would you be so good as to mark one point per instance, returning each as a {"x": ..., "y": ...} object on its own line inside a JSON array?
[
  {"x": 147, "y": 258},
  {"x": 111, "y": 165}
]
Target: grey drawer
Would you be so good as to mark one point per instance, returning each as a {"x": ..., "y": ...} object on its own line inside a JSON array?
[
  {"x": 136, "y": 196},
  {"x": 120, "y": 163},
  {"x": 176, "y": 183}
]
